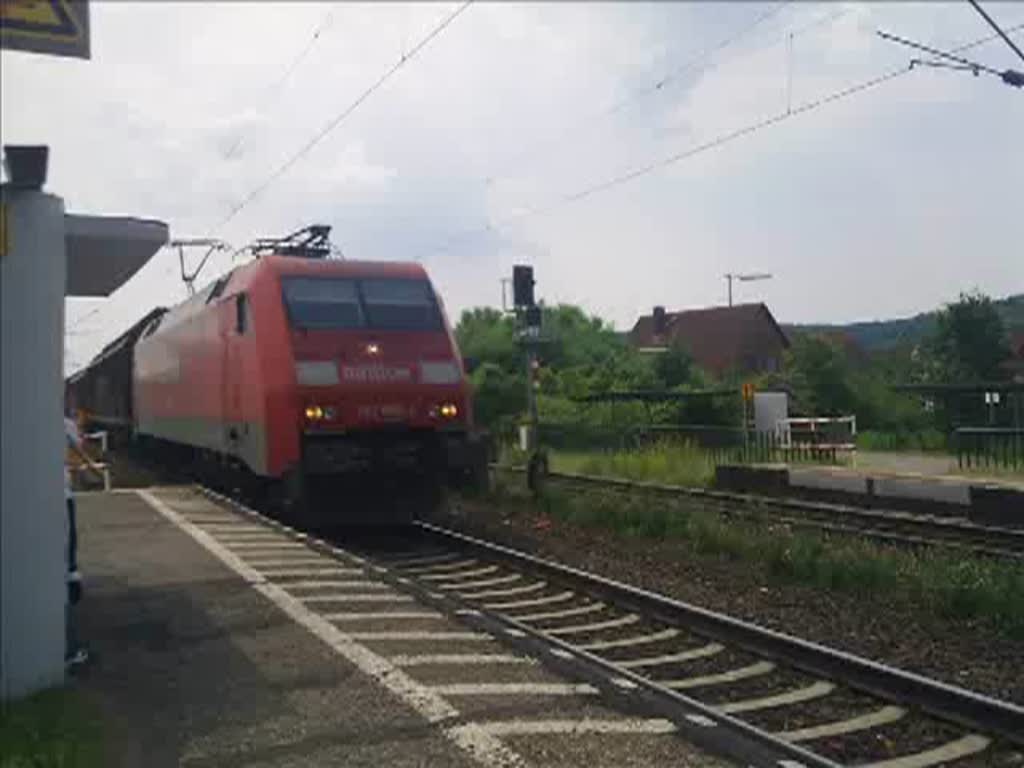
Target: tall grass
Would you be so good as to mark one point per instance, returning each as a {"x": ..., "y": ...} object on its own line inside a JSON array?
[
  {"x": 678, "y": 463},
  {"x": 943, "y": 583},
  {"x": 928, "y": 441}
]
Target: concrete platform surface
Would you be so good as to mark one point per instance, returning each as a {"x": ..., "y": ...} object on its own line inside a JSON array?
[{"x": 209, "y": 652}]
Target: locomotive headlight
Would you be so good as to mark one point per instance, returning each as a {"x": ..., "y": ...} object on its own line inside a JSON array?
[
  {"x": 314, "y": 413},
  {"x": 448, "y": 410}
]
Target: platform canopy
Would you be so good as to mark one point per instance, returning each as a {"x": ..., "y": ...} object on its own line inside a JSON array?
[{"x": 103, "y": 252}]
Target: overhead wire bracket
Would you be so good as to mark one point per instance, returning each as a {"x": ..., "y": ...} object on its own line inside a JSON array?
[
  {"x": 212, "y": 246},
  {"x": 1010, "y": 76}
]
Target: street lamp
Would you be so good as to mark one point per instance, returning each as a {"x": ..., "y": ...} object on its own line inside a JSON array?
[{"x": 746, "y": 278}]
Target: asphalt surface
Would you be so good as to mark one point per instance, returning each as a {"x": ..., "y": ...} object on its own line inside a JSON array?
[
  {"x": 193, "y": 667},
  {"x": 209, "y": 651}
]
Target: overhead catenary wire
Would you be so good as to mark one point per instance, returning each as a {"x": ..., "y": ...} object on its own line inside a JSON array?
[
  {"x": 936, "y": 52},
  {"x": 338, "y": 119},
  {"x": 656, "y": 86},
  {"x": 998, "y": 30},
  {"x": 1009, "y": 76},
  {"x": 808, "y": 106},
  {"x": 91, "y": 313},
  {"x": 321, "y": 26},
  {"x": 718, "y": 141}
]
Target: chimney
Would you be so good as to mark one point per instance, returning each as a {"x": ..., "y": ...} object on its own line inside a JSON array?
[{"x": 659, "y": 320}]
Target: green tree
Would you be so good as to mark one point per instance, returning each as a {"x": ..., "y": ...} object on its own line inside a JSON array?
[
  {"x": 499, "y": 396},
  {"x": 674, "y": 367},
  {"x": 820, "y": 376},
  {"x": 576, "y": 338},
  {"x": 488, "y": 336},
  {"x": 582, "y": 355},
  {"x": 969, "y": 342}
]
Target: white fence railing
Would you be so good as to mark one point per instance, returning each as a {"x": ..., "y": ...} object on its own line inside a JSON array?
[{"x": 838, "y": 432}]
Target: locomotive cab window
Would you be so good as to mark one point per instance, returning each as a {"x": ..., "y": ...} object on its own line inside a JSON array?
[
  {"x": 401, "y": 305},
  {"x": 243, "y": 317},
  {"x": 218, "y": 287},
  {"x": 379, "y": 303},
  {"x": 320, "y": 302}
]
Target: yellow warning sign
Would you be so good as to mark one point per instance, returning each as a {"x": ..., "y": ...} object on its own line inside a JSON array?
[{"x": 54, "y": 27}]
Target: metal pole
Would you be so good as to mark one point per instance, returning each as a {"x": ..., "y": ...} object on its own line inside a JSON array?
[
  {"x": 789, "y": 76},
  {"x": 531, "y": 398}
]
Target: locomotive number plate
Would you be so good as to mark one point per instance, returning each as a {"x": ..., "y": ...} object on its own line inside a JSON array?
[
  {"x": 395, "y": 412},
  {"x": 392, "y": 412}
]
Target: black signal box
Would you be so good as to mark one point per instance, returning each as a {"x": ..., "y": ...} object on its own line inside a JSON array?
[{"x": 522, "y": 286}]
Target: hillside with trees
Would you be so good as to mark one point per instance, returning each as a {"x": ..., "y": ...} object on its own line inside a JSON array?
[{"x": 879, "y": 335}]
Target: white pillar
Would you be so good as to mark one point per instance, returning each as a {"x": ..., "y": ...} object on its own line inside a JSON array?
[{"x": 32, "y": 517}]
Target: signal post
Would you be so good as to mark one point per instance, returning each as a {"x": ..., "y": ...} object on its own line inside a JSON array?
[{"x": 528, "y": 321}]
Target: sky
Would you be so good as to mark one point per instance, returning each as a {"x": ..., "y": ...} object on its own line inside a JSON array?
[{"x": 603, "y": 143}]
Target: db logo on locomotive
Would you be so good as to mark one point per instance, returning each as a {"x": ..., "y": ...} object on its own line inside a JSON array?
[{"x": 376, "y": 374}]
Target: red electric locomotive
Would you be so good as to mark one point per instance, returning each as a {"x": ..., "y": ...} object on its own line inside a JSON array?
[{"x": 309, "y": 373}]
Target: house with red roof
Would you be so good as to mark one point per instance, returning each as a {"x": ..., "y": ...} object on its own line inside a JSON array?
[{"x": 743, "y": 339}]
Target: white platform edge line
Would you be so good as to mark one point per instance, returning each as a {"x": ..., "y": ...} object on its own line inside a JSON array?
[
  {"x": 428, "y": 659},
  {"x": 516, "y": 689},
  {"x": 573, "y": 727},
  {"x": 338, "y": 584},
  {"x": 476, "y": 743},
  {"x": 403, "y": 636},
  {"x": 357, "y": 597}
]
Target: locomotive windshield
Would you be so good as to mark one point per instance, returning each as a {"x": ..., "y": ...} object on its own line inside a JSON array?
[{"x": 375, "y": 303}]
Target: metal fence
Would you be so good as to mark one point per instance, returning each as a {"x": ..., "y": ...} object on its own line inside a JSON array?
[
  {"x": 769, "y": 448},
  {"x": 585, "y": 437},
  {"x": 984, "y": 447},
  {"x": 724, "y": 445}
]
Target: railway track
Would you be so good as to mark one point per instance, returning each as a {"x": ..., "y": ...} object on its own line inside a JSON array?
[
  {"x": 745, "y": 692},
  {"x": 884, "y": 526}
]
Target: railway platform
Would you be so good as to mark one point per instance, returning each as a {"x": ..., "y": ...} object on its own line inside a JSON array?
[
  {"x": 216, "y": 641},
  {"x": 193, "y": 667}
]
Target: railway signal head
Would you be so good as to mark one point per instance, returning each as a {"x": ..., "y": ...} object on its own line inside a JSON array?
[{"x": 522, "y": 285}]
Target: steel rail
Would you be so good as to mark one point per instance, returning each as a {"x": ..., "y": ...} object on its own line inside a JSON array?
[
  {"x": 938, "y": 531},
  {"x": 964, "y": 707},
  {"x": 719, "y": 732}
]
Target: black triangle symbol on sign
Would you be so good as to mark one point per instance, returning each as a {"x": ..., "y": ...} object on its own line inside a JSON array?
[{"x": 65, "y": 26}]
